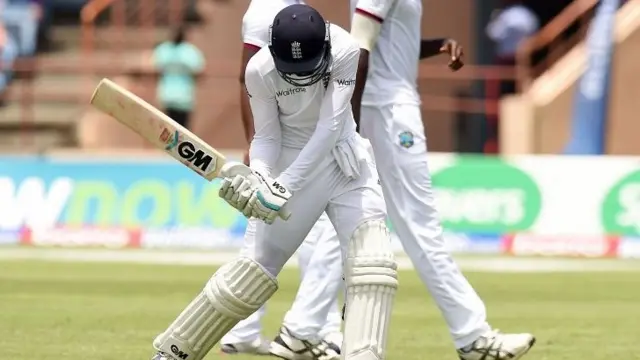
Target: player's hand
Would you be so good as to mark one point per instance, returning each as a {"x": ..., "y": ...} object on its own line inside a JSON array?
[
  {"x": 237, "y": 186},
  {"x": 268, "y": 199},
  {"x": 455, "y": 52},
  {"x": 253, "y": 194}
]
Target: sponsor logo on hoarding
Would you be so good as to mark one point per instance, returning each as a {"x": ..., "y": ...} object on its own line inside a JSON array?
[
  {"x": 621, "y": 208},
  {"x": 80, "y": 237},
  {"x": 551, "y": 245},
  {"x": 189, "y": 239},
  {"x": 31, "y": 202},
  {"x": 108, "y": 194},
  {"x": 486, "y": 196}
]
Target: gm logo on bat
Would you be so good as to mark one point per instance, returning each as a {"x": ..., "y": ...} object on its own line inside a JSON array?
[{"x": 187, "y": 151}]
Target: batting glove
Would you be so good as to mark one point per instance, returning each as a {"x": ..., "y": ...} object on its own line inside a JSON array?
[
  {"x": 268, "y": 200},
  {"x": 236, "y": 187},
  {"x": 252, "y": 193}
]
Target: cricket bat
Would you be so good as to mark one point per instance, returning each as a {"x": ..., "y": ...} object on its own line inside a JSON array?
[{"x": 160, "y": 130}]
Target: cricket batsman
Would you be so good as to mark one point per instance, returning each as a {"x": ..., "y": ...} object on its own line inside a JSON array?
[
  {"x": 387, "y": 109},
  {"x": 306, "y": 157},
  {"x": 311, "y": 328}
]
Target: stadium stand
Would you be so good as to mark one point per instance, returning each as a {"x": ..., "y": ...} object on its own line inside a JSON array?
[{"x": 115, "y": 38}]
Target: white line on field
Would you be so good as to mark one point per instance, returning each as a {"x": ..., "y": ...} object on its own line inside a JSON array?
[{"x": 479, "y": 264}]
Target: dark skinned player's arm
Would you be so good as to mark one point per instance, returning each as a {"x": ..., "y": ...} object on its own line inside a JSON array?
[
  {"x": 365, "y": 28},
  {"x": 431, "y": 47},
  {"x": 245, "y": 109},
  {"x": 361, "y": 80}
]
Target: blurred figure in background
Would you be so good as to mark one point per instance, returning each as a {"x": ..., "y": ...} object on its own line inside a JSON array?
[
  {"x": 22, "y": 18},
  {"x": 179, "y": 63},
  {"x": 8, "y": 54},
  {"x": 508, "y": 28}
]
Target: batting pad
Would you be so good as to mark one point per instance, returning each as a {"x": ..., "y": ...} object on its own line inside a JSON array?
[
  {"x": 372, "y": 281},
  {"x": 233, "y": 293}
]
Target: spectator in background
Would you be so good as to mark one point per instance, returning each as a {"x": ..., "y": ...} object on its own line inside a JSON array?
[
  {"x": 8, "y": 54},
  {"x": 508, "y": 28},
  {"x": 179, "y": 62},
  {"x": 22, "y": 18}
]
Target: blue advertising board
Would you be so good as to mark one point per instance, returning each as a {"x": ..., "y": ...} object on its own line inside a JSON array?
[
  {"x": 149, "y": 204},
  {"x": 44, "y": 192}
]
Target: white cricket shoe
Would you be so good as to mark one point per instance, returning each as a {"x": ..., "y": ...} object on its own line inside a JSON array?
[
  {"x": 334, "y": 341},
  {"x": 286, "y": 346},
  {"x": 259, "y": 346},
  {"x": 496, "y": 346}
]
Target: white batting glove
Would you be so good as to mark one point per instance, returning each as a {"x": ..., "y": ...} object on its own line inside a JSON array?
[
  {"x": 268, "y": 200},
  {"x": 253, "y": 194},
  {"x": 236, "y": 187}
]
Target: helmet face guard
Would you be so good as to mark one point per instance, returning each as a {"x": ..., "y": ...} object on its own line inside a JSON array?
[{"x": 299, "y": 70}]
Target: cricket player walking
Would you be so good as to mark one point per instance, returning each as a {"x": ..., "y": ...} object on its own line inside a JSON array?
[
  {"x": 306, "y": 158},
  {"x": 315, "y": 311},
  {"x": 388, "y": 31}
]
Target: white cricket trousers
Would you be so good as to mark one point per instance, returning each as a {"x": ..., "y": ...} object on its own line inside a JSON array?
[
  {"x": 347, "y": 202},
  {"x": 397, "y": 135},
  {"x": 315, "y": 312}
]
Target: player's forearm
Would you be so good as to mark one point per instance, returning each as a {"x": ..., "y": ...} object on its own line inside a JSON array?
[
  {"x": 266, "y": 140},
  {"x": 431, "y": 47},
  {"x": 361, "y": 80},
  {"x": 263, "y": 154},
  {"x": 365, "y": 29}
]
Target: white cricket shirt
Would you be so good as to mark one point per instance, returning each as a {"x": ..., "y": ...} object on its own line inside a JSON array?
[
  {"x": 312, "y": 118},
  {"x": 393, "y": 63},
  {"x": 257, "y": 19}
]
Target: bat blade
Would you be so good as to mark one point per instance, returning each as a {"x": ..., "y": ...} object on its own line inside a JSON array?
[
  {"x": 160, "y": 130},
  {"x": 157, "y": 128}
]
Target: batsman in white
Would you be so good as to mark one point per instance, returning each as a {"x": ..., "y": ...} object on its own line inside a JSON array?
[
  {"x": 388, "y": 32},
  {"x": 306, "y": 158},
  {"x": 311, "y": 328}
]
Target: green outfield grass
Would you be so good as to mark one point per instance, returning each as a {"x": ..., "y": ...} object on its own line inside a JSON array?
[{"x": 68, "y": 311}]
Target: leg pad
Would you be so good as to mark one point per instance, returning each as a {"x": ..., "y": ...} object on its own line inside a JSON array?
[
  {"x": 372, "y": 281},
  {"x": 233, "y": 293}
]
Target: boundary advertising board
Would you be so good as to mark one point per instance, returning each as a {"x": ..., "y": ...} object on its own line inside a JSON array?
[{"x": 546, "y": 205}]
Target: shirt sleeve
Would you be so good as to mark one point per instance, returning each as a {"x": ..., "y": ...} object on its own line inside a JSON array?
[
  {"x": 375, "y": 9},
  {"x": 255, "y": 27},
  {"x": 335, "y": 111},
  {"x": 266, "y": 143}
]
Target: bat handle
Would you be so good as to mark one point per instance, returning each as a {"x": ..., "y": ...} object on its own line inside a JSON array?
[{"x": 284, "y": 213}]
